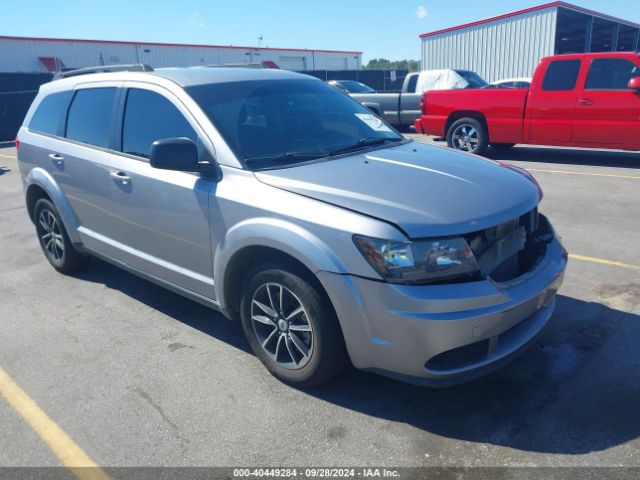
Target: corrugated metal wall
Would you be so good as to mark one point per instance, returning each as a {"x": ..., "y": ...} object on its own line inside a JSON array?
[
  {"x": 21, "y": 55},
  {"x": 509, "y": 47}
]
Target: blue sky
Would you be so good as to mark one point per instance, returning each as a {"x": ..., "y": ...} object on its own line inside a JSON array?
[{"x": 379, "y": 28}]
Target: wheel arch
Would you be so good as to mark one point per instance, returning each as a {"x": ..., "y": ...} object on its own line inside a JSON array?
[
  {"x": 40, "y": 184},
  {"x": 267, "y": 240},
  {"x": 459, "y": 114},
  {"x": 373, "y": 107}
]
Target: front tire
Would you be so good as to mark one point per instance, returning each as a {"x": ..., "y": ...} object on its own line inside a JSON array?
[
  {"x": 468, "y": 135},
  {"x": 291, "y": 325},
  {"x": 54, "y": 241}
]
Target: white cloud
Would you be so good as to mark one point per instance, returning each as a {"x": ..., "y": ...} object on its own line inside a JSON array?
[{"x": 422, "y": 12}]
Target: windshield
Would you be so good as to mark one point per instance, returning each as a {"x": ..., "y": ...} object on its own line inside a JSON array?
[
  {"x": 271, "y": 123},
  {"x": 475, "y": 80},
  {"x": 356, "y": 87}
]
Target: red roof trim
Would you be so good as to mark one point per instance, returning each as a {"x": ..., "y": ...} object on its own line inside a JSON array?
[
  {"x": 529, "y": 10},
  {"x": 121, "y": 42}
]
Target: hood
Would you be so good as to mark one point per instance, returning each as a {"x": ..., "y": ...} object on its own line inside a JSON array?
[{"x": 426, "y": 191}]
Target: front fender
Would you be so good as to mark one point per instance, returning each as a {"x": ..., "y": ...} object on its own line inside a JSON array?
[
  {"x": 41, "y": 178},
  {"x": 280, "y": 235}
]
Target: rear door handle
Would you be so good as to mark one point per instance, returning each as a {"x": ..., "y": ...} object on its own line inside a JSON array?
[
  {"x": 120, "y": 177},
  {"x": 57, "y": 158},
  {"x": 586, "y": 101}
]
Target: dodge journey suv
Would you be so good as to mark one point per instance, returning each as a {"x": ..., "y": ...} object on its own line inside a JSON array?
[{"x": 279, "y": 201}]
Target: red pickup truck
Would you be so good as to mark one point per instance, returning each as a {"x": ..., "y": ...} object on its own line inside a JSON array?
[{"x": 578, "y": 100}]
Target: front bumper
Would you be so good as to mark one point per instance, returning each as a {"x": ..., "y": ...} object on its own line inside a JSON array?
[{"x": 439, "y": 335}]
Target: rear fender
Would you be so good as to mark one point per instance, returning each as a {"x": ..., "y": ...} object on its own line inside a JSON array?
[{"x": 40, "y": 177}]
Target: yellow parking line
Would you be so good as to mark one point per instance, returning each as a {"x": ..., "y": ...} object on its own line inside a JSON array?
[
  {"x": 603, "y": 261},
  {"x": 69, "y": 453},
  {"x": 571, "y": 172}
]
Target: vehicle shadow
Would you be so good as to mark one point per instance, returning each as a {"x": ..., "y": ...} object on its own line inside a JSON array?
[
  {"x": 567, "y": 156},
  {"x": 556, "y": 398},
  {"x": 191, "y": 313},
  {"x": 576, "y": 391},
  {"x": 4, "y": 170}
]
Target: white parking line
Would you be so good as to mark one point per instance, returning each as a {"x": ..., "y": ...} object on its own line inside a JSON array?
[
  {"x": 571, "y": 172},
  {"x": 7, "y": 156}
]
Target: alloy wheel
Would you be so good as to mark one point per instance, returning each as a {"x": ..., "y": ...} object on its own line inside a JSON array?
[
  {"x": 465, "y": 138},
  {"x": 51, "y": 235},
  {"x": 282, "y": 326}
]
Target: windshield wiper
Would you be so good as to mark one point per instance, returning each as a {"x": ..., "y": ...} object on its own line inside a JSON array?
[
  {"x": 363, "y": 143},
  {"x": 284, "y": 158}
]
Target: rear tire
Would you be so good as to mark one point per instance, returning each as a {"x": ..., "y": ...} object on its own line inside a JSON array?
[
  {"x": 304, "y": 348},
  {"x": 468, "y": 135},
  {"x": 54, "y": 241}
]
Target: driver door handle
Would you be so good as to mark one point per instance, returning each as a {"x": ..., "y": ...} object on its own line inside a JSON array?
[
  {"x": 586, "y": 101},
  {"x": 120, "y": 177}
]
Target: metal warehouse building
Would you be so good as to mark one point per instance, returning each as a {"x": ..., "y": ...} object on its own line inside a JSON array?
[
  {"x": 511, "y": 45},
  {"x": 32, "y": 55}
]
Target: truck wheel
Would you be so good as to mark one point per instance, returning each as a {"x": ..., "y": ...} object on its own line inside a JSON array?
[
  {"x": 468, "y": 135},
  {"x": 54, "y": 241},
  {"x": 291, "y": 326},
  {"x": 502, "y": 147}
]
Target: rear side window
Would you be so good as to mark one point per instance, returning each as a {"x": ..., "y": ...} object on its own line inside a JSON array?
[
  {"x": 561, "y": 75},
  {"x": 411, "y": 86},
  {"x": 148, "y": 117},
  {"x": 48, "y": 115},
  {"x": 611, "y": 74},
  {"x": 90, "y": 116}
]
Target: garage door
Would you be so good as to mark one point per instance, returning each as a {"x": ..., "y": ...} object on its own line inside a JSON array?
[{"x": 293, "y": 63}]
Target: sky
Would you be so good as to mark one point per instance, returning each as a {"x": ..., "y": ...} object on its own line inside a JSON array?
[{"x": 379, "y": 28}]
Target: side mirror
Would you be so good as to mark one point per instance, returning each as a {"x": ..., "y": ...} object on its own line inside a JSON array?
[
  {"x": 634, "y": 84},
  {"x": 179, "y": 154}
]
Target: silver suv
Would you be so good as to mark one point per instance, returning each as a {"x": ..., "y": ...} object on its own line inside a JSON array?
[{"x": 283, "y": 203}]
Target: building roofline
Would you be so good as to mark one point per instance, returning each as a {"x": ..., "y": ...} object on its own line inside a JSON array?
[
  {"x": 529, "y": 10},
  {"x": 186, "y": 45}
]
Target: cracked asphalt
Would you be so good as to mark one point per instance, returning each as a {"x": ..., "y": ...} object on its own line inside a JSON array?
[{"x": 139, "y": 376}]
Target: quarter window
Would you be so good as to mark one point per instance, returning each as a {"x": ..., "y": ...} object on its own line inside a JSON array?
[
  {"x": 561, "y": 75},
  {"x": 90, "y": 116},
  {"x": 149, "y": 117},
  {"x": 47, "y": 116},
  {"x": 611, "y": 74}
]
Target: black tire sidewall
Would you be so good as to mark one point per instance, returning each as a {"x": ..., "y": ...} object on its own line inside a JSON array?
[
  {"x": 328, "y": 355},
  {"x": 483, "y": 138}
]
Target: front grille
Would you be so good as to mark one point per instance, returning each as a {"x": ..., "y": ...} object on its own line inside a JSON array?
[{"x": 510, "y": 249}]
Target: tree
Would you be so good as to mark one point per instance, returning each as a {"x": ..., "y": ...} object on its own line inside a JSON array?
[{"x": 384, "y": 64}]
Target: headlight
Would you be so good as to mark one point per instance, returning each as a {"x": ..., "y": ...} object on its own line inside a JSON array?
[{"x": 422, "y": 261}]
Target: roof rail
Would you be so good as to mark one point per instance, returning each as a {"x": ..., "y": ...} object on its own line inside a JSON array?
[
  {"x": 235, "y": 65},
  {"x": 134, "y": 67}
]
